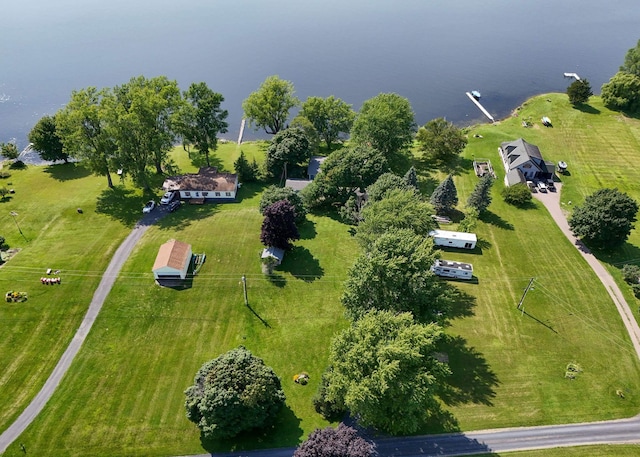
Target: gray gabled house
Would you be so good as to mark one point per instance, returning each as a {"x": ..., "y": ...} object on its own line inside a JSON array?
[{"x": 523, "y": 162}]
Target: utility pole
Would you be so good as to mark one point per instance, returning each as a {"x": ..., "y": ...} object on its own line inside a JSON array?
[
  {"x": 525, "y": 292},
  {"x": 244, "y": 287}
]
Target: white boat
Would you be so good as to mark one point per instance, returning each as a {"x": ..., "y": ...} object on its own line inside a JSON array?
[{"x": 475, "y": 94}]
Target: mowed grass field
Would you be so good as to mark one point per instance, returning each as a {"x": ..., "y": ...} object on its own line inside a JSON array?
[{"x": 124, "y": 393}]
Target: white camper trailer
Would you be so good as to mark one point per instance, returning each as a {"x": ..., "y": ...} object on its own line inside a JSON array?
[
  {"x": 449, "y": 239},
  {"x": 451, "y": 269}
]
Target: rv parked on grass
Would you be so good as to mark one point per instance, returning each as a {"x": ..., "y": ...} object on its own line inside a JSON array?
[
  {"x": 451, "y": 269},
  {"x": 449, "y": 239}
]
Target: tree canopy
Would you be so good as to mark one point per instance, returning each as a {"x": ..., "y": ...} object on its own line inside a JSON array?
[
  {"x": 384, "y": 184},
  {"x": 632, "y": 61},
  {"x": 279, "y": 225},
  {"x": 330, "y": 116},
  {"x": 343, "y": 172},
  {"x": 247, "y": 171},
  {"x": 622, "y": 92},
  {"x": 480, "y": 198},
  {"x": 445, "y": 197},
  {"x": 606, "y": 218},
  {"x": 383, "y": 369},
  {"x": 386, "y": 123},
  {"x": 440, "y": 139},
  {"x": 201, "y": 119},
  {"x": 400, "y": 209},
  {"x": 268, "y": 107},
  {"x": 394, "y": 274},
  {"x": 9, "y": 151},
  {"x": 343, "y": 441},
  {"x": 233, "y": 393},
  {"x": 274, "y": 194},
  {"x": 45, "y": 140},
  {"x": 289, "y": 148},
  {"x": 411, "y": 177},
  {"x": 517, "y": 195},
  {"x": 579, "y": 92}
]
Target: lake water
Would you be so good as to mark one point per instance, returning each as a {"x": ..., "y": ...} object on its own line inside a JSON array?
[{"x": 430, "y": 51}]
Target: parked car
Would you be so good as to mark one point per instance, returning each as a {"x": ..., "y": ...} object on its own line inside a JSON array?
[
  {"x": 168, "y": 197},
  {"x": 174, "y": 205},
  {"x": 542, "y": 187},
  {"x": 149, "y": 206},
  {"x": 550, "y": 184}
]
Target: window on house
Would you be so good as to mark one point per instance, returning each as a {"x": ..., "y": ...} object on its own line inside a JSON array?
[
  {"x": 217, "y": 194},
  {"x": 204, "y": 194},
  {"x": 197, "y": 194},
  {"x": 228, "y": 194},
  {"x": 187, "y": 194}
]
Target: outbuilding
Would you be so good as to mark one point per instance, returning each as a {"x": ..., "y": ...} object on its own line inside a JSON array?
[
  {"x": 449, "y": 239},
  {"x": 172, "y": 261},
  {"x": 451, "y": 269},
  {"x": 275, "y": 253}
]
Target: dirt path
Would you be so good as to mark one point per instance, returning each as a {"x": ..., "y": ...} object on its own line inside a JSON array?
[{"x": 551, "y": 201}]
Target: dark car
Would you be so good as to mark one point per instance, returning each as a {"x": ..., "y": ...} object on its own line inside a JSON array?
[{"x": 174, "y": 205}]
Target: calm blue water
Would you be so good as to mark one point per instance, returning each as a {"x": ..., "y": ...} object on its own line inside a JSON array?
[{"x": 430, "y": 51}]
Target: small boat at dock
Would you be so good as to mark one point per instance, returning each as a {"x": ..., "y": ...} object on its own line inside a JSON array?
[{"x": 476, "y": 94}]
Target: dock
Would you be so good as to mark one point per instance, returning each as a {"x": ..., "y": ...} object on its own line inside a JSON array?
[
  {"x": 484, "y": 111},
  {"x": 572, "y": 75},
  {"x": 241, "y": 131}
]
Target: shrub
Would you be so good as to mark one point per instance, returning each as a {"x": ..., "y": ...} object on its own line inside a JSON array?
[
  {"x": 517, "y": 195},
  {"x": 631, "y": 274}
]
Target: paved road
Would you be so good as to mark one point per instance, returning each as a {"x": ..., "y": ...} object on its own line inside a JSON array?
[
  {"x": 108, "y": 279},
  {"x": 551, "y": 200}
]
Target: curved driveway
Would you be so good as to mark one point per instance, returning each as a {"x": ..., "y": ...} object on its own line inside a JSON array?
[{"x": 108, "y": 279}]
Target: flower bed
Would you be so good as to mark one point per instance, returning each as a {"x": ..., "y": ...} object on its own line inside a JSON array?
[{"x": 13, "y": 296}]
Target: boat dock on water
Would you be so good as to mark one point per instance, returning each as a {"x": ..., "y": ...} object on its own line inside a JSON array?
[
  {"x": 477, "y": 103},
  {"x": 572, "y": 75}
]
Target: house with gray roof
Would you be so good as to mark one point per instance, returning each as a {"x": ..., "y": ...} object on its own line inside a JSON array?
[{"x": 523, "y": 162}]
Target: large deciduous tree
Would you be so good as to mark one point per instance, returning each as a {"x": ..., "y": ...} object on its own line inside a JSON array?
[
  {"x": 274, "y": 194},
  {"x": 606, "y": 218},
  {"x": 289, "y": 149},
  {"x": 400, "y": 209},
  {"x": 330, "y": 116},
  {"x": 268, "y": 107},
  {"x": 83, "y": 128},
  {"x": 622, "y": 92},
  {"x": 141, "y": 117},
  {"x": 383, "y": 369},
  {"x": 45, "y": 139},
  {"x": 279, "y": 225},
  {"x": 201, "y": 119},
  {"x": 480, "y": 198},
  {"x": 385, "y": 184},
  {"x": 440, "y": 139},
  {"x": 233, "y": 393},
  {"x": 632, "y": 61},
  {"x": 386, "y": 123},
  {"x": 579, "y": 92},
  {"x": 394, "y": 274},
  {"x": 343, "y": 441},
  {"x": 445, "y": 197},
  {"x": 343, "y": 173}
]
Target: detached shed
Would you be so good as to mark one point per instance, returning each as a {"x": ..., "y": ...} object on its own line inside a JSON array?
[
  {"x": 173, "y": 260},
  {"x": 449, "y": 239},
  {"x": 275, "y": 253}
]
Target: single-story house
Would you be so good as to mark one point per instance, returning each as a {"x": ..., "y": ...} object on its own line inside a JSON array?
[
  {"x": 207, "y": 184},
  {"x": 523, "y": 162},
  {"x": 172, "y": 261},
  {"x": 314, "y": 166},
  {"x": 275, "y": 253}
]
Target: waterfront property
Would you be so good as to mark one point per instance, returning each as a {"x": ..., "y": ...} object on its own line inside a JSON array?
[
  {"x": 207, "y": 184},
  {"x": 523, "y": 162}
]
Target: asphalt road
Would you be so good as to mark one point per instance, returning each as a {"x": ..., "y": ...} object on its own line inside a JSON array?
[{"x": 108, "y": 279}]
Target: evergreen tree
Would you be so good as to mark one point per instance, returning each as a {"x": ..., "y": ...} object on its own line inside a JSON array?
[
  {"x": 579, "y": 92},
  {"x": 445, "y": 197},
  {"x": 411, "y": 177},
  {"x": 247, "y": 172},
  {"x": 480, "y": 198}
]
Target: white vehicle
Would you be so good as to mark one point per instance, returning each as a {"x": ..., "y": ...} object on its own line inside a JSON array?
[
  {"x": 167, "y": 198},
  {"x": 542, "y": 187},
  {"x": 449, "y": 239},
  {"x": 149, "y": 206},
  {"x": 451, "y": 269}
]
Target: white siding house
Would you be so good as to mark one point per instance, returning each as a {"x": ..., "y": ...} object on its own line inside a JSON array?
[
  {"x": 172, "y": 261},
  {"x": 449, "y": 239},
  {"x": 207, "y": 184}
]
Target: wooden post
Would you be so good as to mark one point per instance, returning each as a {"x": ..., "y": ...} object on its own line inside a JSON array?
[{"x": 244, "y": 286}]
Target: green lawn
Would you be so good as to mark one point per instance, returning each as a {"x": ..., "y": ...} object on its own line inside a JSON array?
[
  {"x": 124, "y": 393},
  {"x": 623, "y": 450}
]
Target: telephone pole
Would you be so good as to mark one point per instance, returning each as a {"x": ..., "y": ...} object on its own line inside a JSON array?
[
  {"x": 525, "y": 292},
  {"x": 244, "y": 287}
]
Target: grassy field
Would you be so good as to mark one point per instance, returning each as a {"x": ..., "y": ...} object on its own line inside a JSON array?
[
  {"x": 124, "y": 393},
  {"x": 582, "y": 451}
]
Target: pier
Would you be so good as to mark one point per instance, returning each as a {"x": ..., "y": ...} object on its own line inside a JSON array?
[
  {"x": 484, "y": 111},
  {"x": 572, "y": 75},
  {"x": 241, "y": 131}
]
